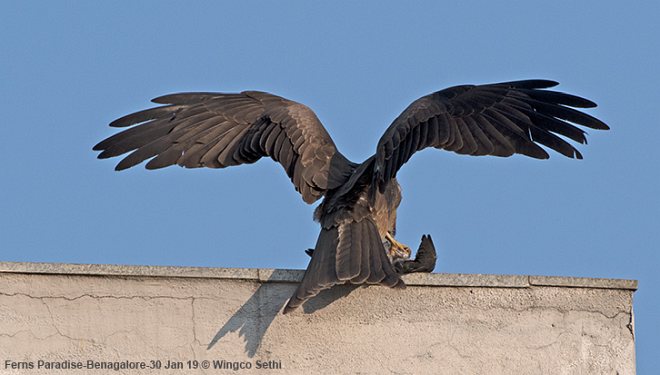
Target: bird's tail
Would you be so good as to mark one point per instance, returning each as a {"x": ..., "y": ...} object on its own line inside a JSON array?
[{"x": 349, "y": 253}]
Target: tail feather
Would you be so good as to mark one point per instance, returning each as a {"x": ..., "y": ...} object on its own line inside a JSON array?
[
  {"x": 377, "y": 273},
  {"x": 324, "y": 272},
  {"x": 350, "y": 253},
  {"x": 348, "y": 245},
  {"x": 365, "y": 260},
  {"x": 356, "y": 252}
]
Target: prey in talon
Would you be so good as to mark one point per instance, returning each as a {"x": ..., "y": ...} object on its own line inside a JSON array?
[
  {"x": 396, "y": 250},
  {"x": 424, "y": 261}
]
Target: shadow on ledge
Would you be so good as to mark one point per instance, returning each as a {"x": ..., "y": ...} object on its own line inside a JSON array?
[{"x": 257, "y": 314}]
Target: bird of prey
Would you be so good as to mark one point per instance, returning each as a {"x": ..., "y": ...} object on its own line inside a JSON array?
[{"x": 358, "y": 212}]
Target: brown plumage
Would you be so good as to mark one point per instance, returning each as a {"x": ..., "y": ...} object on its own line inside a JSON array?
[{"x": 218, "y": 130}]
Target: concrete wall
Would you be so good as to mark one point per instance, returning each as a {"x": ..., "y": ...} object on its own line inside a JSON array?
[{"x": 63, "y": 314}]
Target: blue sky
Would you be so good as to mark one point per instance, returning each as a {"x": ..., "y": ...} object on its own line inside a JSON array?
[{"x": 69, "y": 68}]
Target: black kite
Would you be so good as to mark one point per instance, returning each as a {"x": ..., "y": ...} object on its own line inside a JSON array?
[{"x": 358, "y": 213}]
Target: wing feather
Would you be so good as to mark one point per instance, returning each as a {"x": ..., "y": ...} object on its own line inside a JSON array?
[
  {"x": 469, "y": 143},
  {"x": 217, "y": 130},
  {"x": 498, "y": 119},
  {"x": 486, "y": 146}
]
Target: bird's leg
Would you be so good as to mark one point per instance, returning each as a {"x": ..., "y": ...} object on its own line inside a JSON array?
[
  {"x": 424, "y": 261},
  {"x": 397, "y": 250}
]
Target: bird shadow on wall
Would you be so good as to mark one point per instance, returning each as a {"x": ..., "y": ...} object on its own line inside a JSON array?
[{"x": 255, "y": 316}]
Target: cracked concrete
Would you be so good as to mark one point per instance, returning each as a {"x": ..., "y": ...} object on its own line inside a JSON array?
[{"x": 440, "y": 324}]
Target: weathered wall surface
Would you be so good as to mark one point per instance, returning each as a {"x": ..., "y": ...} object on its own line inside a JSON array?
[{"x": 60, "y": 315}]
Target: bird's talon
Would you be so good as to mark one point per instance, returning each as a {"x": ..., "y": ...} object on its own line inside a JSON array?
[{"x": 397, "y": 250}]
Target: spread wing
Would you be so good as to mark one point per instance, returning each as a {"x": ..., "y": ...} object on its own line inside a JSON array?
[
  {"x": 217, "y": 130},
  {"x": 496, "y": 119}
]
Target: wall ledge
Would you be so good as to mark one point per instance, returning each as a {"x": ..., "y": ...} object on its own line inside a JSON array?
[
  {"x": 182, "y": 317},
  {"x": 294, "y": 276}
]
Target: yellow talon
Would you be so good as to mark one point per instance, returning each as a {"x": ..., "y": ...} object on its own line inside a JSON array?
[{"x": 397, "y": 250}]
